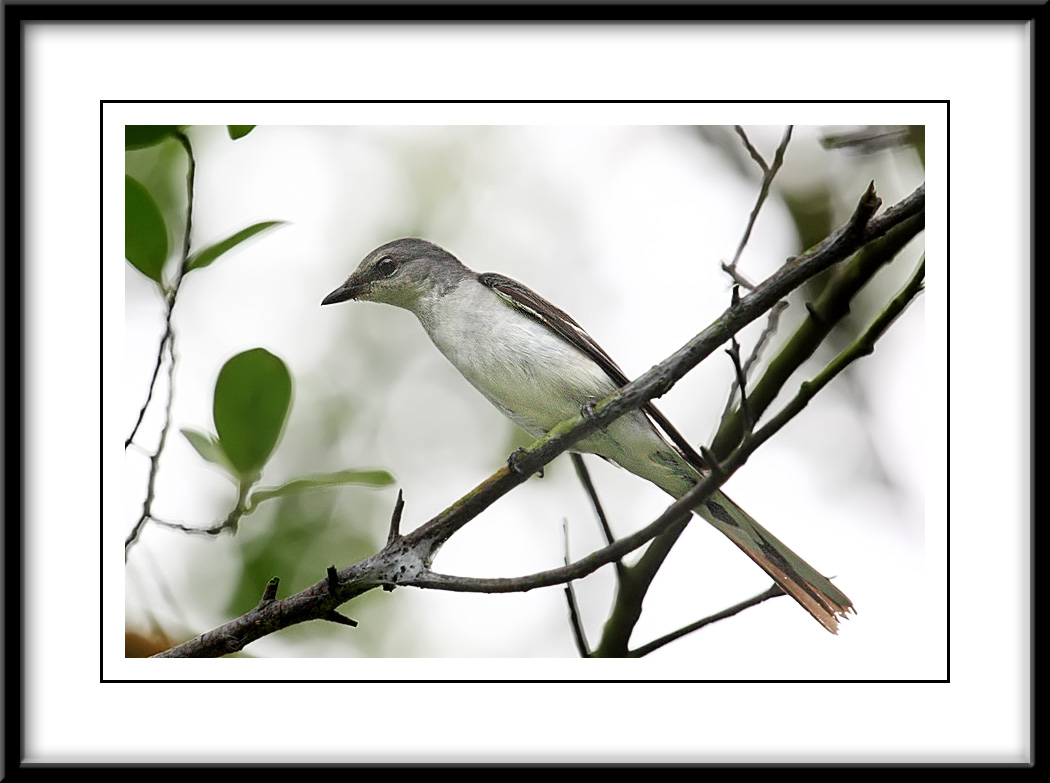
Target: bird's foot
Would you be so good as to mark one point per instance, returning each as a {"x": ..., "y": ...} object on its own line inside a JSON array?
[
  {"x": 514, "y": 462},
  {"x": 587, "y": 410}
]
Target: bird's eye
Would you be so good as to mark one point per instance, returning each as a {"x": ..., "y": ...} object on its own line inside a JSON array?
[{"x": 386, "y": 266}]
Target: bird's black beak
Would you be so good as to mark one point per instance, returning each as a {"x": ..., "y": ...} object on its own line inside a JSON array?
[{"x": 348, "y": 290}]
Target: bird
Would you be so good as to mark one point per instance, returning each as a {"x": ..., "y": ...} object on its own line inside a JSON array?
[{"x": 539, "y": 367}]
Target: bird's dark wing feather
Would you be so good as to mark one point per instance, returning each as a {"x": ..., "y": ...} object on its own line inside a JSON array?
[{"x": 561, "y": 323}]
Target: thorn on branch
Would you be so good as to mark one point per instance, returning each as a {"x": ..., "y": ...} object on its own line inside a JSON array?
[
  {"x": 270, "y": 593},
  {"x": 395, "y": 520},
  {"x": 866, "y": 208},
  {"x": 334, "y": 617},
  {"x": 333, "y": 580}
]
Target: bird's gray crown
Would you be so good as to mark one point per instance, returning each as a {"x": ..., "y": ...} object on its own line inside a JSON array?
[{"x": 403, "y": 273}]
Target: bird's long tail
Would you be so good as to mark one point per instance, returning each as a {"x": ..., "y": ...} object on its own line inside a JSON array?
[
  {"x": 795, "y": 576},
  {"x": 676, "y": 469}
]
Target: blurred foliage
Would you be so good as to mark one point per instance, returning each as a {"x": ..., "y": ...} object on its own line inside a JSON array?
[
  {"x": 239, "y": 131},
  {"x": 142, "y": 645},
  {"x": 867, "y": 139},
  {"x": 146, "y": 242},
  {"x": 202, "y": 258},
  {"x": 139, "y": 136},
  {"x": 298, "y": 538},
  {"x": 366, "y": 478}
]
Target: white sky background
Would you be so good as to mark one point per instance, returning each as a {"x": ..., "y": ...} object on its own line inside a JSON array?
[{"x": 604, "y": 221}]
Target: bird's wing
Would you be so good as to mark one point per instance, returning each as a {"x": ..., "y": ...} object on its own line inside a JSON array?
[{"x": 527, "y": 301}]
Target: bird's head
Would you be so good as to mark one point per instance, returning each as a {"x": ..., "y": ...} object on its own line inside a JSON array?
[{"x": 402, "y": 273}]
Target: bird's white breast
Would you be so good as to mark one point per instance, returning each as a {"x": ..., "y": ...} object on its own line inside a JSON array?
[{"x": 521, "y": 366}]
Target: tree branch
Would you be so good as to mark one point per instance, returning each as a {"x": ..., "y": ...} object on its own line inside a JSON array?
[{"x": 824, "y": 314}]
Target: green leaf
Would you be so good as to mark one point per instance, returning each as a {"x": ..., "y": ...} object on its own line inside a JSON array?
[
  {"x": 139, "y": 136},
  {"x": 239, "y": 131},
  {"x": 145, "y": 232},
  {"x": 369, "y": 478},
  {"x": 252, "y": 396},
  {"x": 208, "y": 446},
  {"x": 202, "y": 258}
]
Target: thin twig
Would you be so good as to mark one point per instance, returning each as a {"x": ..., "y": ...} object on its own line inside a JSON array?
[
  {"x": 741, "y": 376},
  {"x": 585, "y": 478},
  {"x": 768, "y": 173},
  {"x": 584, "y": 475},
  {"x": 168, "y": 339},
  {"x": 153, "y": 378},
  {"x": 154, "y": 460},
  {"x": 767, "y": 333},
  {"x": 741, "y": 383},
  {"x": 772, "y": 322},
  {"x": 754, "y": 153},
  {"x": 575, "y": 622},
  {"x": 773, "y": 591}
]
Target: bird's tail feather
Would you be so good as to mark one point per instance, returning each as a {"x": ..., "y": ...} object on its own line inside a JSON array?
[{"x": 796, "y": 577}]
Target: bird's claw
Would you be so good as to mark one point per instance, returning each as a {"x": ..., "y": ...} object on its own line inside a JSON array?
[{"x": 514, "y": 460}]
